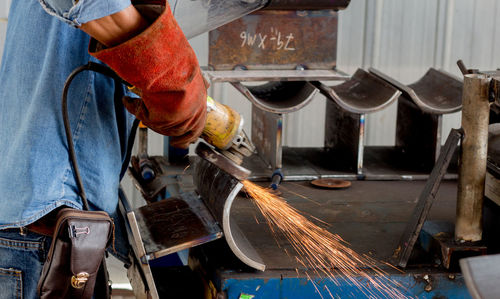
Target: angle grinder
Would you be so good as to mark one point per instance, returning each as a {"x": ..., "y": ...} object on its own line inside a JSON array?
[{"x": 224, "y": 131}]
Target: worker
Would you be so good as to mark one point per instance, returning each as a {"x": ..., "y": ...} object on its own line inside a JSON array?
[{"x": 46, "y": 40}]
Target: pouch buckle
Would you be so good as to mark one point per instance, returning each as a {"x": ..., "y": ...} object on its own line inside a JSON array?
[{"x": 79, "y": 280}]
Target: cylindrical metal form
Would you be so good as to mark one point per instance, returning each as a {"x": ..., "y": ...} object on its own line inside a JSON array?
[
  {"x": 472, "y": 171},
  {"x": 219, "y": 189},
  {"x": 199, "y": 16}
]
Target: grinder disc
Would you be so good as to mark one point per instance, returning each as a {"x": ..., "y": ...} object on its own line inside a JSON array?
[
  {"x": 331, "y": 183},
  {"x": 206, "y": 152}
]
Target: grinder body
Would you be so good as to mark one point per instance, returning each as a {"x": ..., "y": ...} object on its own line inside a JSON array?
[{"x": 224, "y": 130}]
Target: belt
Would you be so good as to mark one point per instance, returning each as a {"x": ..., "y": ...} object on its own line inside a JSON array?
[{"x": 45, "y": 225}]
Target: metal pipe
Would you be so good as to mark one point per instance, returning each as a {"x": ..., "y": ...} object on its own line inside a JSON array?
[
  {"x": 276, "y": 179},
  {"x": 145, "y": 165},
  {"x": 472, "y": 171}
]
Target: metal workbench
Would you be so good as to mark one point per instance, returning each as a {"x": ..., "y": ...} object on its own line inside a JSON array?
[{"x": 370, "y": 216}]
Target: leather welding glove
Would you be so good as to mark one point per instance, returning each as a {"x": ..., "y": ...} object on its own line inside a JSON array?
[{"x": 162, "y": 67}]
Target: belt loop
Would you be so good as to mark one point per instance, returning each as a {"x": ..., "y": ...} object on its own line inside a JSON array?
[{"x": 22, "y": 231}]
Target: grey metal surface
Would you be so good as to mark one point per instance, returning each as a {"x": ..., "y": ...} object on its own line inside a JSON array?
[
  {"x": 275, "y": 75},
  {"x": 482, "y": 275},
  {"x": 362, "y": 93},
  {"x": 218, "y": 190},
  {"x": 267, "y": 136},
  {"x": 436, "y": 92},
  {"x": 370, "y": 216},
  {"x": 473, "y": 158}
]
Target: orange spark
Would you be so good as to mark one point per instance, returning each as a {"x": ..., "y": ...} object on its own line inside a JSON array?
[{"x": 319, "y": 250}]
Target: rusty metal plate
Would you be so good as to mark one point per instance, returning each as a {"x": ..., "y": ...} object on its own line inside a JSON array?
[
  {"x": 331, "y": 183},
  {"x": 439, "y": 236},
  {"x": 175, "y": 224},
  {"x": 276, "y": 40}
]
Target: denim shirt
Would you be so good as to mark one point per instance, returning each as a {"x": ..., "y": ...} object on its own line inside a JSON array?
[{"x": 40, "y": 52}]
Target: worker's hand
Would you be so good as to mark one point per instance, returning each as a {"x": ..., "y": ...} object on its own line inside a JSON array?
[
  {"x": 161, "y": 64},
  {"x": 185, "y": 131}
]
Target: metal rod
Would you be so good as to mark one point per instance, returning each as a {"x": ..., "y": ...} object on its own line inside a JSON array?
[
  {"x": 472, "y": 171},
  {"x": 361, "y": 145},
  {"x": 276, "y": 179},
  {"x": 462, "y": 67}
]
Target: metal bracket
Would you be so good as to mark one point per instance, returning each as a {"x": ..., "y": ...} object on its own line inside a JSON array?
[{"x": 426, "y": 199}]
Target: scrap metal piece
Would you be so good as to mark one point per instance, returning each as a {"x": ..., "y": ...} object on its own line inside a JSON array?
[
  {"x": 437, "y": 92},
  {"x": 331, "y": 183},
  {"x": 209, "y": 154},
  {"x": 175, "y": 224},
  {"x": 363, "y": 93},
  {"x": 439, "y": 235},
  {"x": 218, "y": 189},
  {"x": 425, "y": 200}
]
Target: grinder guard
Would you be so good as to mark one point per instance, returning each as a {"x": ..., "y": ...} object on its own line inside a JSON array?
[{"x": 199, "y": 16}]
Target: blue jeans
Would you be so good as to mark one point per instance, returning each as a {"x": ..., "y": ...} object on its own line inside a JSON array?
[{"x": 22, "y": 254}]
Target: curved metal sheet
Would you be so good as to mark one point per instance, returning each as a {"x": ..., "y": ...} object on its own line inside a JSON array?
[
  {"x": 218, "y": 190},
  {"x": 363, "y": 93},
  {"x": 437, "y": 92},
  {"x": 283, "y": 100}
]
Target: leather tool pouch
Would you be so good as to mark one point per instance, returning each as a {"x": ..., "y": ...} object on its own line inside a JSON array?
[{"x": 77, "y": 250}]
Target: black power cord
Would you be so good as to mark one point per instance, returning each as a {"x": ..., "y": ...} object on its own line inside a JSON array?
[{"x": 102, "y": 69}]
